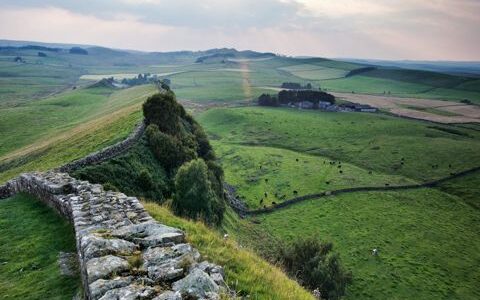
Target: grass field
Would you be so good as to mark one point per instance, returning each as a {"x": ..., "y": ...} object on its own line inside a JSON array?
[
  {"x": 48, "y": 133},
  {"x": 31, "y": 237},
  {"x": 369, "y": 141},
  {"x": 428, "y": 241},
  {"x": 422, "y": 254},
  {"x": 257, "y": 170}
]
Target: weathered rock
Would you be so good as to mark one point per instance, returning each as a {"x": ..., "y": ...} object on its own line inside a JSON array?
[
  {"x": 95, "y": 246},
  {"x": 101, "y": 286},
  {"x": 196, "y": 285},
  {"x": 132, "y": 292},
  {"x": 104, "y": 266},
  {"x": 150, "y": 234},
  {"x": 169, "y": 295}
]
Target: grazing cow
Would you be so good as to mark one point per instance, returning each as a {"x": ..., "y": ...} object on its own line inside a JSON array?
[
  {"x": 266, "y": 195},
  {"x": 341, "y": 171},
  {"x": 261, "y": 201},
  {"x": 296, "y": 159},
  {"x": 274, "y": 203},
  {"x": 295, "y": 192},
  {"x": 327, "y": 182},
  {"x": 266, "y": 179},
  {"x": 387, "y": 184},
  {"x": 375, "y": 252}
]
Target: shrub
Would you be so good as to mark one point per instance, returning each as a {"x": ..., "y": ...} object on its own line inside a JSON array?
[
  {"x": 194, "y": 195},
  {"x": 164, "y": 111},
  {"x": 168, "y": 149},
  {"x": 314, "y": 265},
  {"x": 145, "y": 180}
]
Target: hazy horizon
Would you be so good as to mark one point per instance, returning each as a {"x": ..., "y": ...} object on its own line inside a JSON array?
[{"x": 442, "y": 30}]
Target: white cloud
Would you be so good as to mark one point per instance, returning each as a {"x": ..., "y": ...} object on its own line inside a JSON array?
[{"x": 391, "y": 29}]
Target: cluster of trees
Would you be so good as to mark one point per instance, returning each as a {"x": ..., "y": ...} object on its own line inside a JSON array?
[
  {"x": 143, "y": 79},
  {"x": 182, "y": 147},
  {"x": 296, "y": 86},
  {"x": 315, "y": 266},
  {"x": 295, "y": 96},
  {"x": 78, "y": 50}
]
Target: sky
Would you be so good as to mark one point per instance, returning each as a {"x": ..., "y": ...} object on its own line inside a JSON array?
[{"x": 380, "y": 29}]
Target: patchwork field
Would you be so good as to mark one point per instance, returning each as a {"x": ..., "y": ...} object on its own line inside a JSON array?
[{"x": 424, "y": 109}]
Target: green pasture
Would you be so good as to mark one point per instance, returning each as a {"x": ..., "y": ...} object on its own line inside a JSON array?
[
  {"x": 36, "y": 121},
  {"x": 31, "y": 237},
  {"x": 373, "y": 142},
  {"x": 264, "y": 175},
  {"x": 428, "y": 241}
]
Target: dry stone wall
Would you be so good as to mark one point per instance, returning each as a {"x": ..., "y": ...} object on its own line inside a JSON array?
[
  {"x": 106, "y": 153},
  {"x": 123, "y": 252}
]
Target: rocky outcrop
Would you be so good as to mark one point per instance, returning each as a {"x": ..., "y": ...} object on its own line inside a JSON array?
[
  {"x": 123, "y": 252},
  {"x": 106, "y": 153}
]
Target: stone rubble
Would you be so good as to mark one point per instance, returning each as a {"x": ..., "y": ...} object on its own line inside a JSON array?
[{"x": 123, "y": 252}]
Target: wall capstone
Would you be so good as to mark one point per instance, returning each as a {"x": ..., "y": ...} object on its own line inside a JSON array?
[{"x": 123, "y": 252}]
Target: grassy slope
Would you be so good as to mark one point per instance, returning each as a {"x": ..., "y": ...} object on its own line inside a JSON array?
[
  {"x": 370, "y": 141},
  {"x": 259, "y": 170},
  {"x": 428, "y": 241},
  {"x": 43, "y": 119},
  {"x": 246, "y": 272},
  {"x": 79, "y": 142},
  {"x": 417, "y": 231},
  {"x": 31, "y": 237}
]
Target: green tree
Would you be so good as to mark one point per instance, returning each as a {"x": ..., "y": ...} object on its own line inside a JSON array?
[
  {"x": 194, "y": 195},
  {"x": 315, "y": 266},
  {"x": 168, "y": 149},
  {"x": 163, "y": 110}
]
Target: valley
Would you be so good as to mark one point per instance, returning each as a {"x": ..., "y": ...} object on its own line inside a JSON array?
[{"x": 53, "y": 111}]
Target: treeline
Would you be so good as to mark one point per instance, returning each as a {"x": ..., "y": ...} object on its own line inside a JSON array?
[
  {"x": 296, "y": 86},
  {"x": 143, "y": 79},
  {"x": 285, "y": 97}
]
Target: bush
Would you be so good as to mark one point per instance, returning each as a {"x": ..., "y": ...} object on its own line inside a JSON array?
[
  {"x": 164, "y": 111},
  {"x": 168, "y": 149},
  {"x": 145, "y": 180},
  {"x": 314, "y": 265},
  {"x": 194, "y": 196}
]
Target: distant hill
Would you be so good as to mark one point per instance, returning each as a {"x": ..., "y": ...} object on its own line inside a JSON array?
[{"x": 452, "y": 67}]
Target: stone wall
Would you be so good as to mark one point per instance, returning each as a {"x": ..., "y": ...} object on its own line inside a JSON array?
[
  {"x": 123, "y": 252},
  {"x": 106, "y": 153}
]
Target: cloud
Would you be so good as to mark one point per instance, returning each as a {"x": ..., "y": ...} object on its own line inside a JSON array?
[{"x": 388, "y": 29}]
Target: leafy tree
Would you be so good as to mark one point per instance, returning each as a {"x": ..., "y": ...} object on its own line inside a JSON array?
[
  {"x": 163, "y": 110},
  {"x": 267, "y": 100},
  {"x": 167, "y": 149},
  {"x": 194, "y": 196},
  {"x": 314, "y": 265}
]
